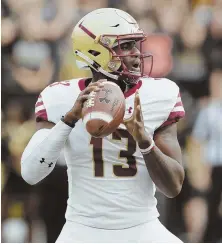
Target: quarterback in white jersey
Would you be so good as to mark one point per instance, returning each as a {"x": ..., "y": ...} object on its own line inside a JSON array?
[{"x": 112, "y": 180}]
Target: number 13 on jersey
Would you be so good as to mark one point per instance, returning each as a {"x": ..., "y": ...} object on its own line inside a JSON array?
[{"x": 119, "y": 169}]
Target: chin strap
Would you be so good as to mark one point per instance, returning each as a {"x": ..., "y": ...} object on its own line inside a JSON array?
[
  {"x": 123, "y": 77},
  {"x": 95, "y": 65}
]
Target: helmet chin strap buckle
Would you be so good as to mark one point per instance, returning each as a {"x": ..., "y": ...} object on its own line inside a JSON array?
[{"x": 113, "y": 65}]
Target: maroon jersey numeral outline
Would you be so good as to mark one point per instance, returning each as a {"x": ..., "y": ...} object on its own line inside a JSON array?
[
  {"x": 64, "y": 83},
  {"x": 118, "y": 169}
]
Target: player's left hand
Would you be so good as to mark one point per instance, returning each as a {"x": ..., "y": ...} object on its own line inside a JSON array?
[{"x": 135, "y": 124}]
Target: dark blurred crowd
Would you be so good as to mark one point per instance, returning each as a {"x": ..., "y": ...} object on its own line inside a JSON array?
[{"x": 36, "y": 51}]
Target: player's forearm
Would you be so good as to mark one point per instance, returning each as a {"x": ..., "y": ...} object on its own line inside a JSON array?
[
  {"x": 40, "y": 155},
  {"x": 166, "y": 172}
]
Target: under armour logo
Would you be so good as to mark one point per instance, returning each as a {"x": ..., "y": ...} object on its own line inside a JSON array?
[
  {"x": 43, "y": 161},
  {"x": 50, "y": 164},
  {"x": 129, "y": 110},
  {"x": 105, "y": 99}
]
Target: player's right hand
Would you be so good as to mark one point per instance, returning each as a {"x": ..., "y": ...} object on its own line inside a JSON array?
[{"x": 76, "y": 112}]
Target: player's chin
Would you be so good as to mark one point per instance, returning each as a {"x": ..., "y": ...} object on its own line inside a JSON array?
[
  {"x": 130, "y": 77},
  {"x": 135, "y": 69}
]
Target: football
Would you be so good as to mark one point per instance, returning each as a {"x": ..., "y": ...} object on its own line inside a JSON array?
[{"x": 104, "y": 111}]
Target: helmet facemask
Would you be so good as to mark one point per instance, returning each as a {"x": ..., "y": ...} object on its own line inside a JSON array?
[{"x": 123, "y": 73}]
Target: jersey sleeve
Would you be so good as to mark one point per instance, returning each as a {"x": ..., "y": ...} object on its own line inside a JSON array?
[
  {"x": 40, "y": 110},
  {"x": 55, "y": 101},
  {"x": 161, "y": 104},
  {"x": 176, "y": 114}
]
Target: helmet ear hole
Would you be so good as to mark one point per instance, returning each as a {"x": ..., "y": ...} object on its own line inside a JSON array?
[{"x": 94, "y": 52}]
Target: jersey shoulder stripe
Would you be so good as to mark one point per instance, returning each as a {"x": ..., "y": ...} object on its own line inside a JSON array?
[
  {"x": 40, "y": 110},
  {"x": 176, "y": 114}
]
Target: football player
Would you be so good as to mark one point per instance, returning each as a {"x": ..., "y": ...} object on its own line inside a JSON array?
[{"x": 112, "y": 180}]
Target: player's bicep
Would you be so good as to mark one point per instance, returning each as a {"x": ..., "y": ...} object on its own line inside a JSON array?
[{"x": 166, "y": 140}]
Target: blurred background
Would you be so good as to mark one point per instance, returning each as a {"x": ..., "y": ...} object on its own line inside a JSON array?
[{"x": 185, "y": 37}]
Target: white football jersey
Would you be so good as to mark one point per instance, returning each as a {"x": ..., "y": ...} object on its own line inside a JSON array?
[{"x": 109, "y": 184}]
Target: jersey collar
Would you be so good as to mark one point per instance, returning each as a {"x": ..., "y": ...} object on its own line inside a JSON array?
[{"x": 131, "y": 91}]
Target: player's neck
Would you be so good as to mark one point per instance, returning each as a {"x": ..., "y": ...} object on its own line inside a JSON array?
[{"x": 99, "y": 76}]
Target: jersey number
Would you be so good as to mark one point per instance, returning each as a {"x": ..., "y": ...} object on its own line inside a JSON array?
[{"x": 118, "y": 170}]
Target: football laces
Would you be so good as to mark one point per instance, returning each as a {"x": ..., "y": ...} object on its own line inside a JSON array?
[{"x": 91, "y": 101}]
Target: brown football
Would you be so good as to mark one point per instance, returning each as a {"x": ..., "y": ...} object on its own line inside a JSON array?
[{"x": 104, "y": 111}]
